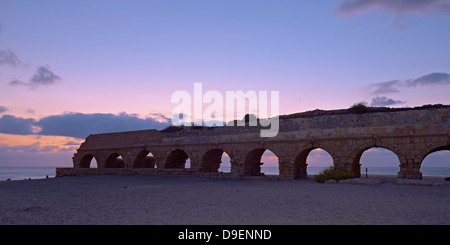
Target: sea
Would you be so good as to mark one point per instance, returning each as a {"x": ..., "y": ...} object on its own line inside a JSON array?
[{"x": 21, "y": 173}]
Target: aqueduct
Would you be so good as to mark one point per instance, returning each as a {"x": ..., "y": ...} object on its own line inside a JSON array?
[{"x": 411, "y": 133}]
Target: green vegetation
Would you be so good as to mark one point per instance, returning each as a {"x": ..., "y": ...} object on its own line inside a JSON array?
[
  {"x": 359, "y": 108},
  {"x": 333, "y": 173}
]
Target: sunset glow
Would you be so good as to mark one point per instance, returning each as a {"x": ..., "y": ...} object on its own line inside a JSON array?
[{"x": 73, "y": 68}]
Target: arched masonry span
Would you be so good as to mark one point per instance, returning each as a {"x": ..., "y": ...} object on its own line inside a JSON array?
[{"x": 410, "y": 133}]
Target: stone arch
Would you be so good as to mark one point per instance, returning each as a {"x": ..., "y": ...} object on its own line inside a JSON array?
[
  {"x": 357, "y": 154},
  {"x": 300, "y": 165},
  {"x": 433, "y": 150},
  {"x": 143, "y": 160},
  {"x": 212, "y": 159},
  {"x": 114, "y": 160},
  {"x": 86, "y": 160},
  {"x": 252, "y": 162},
  {"x": 233, "y": 155},
  {"x": 176, "y": 159}
]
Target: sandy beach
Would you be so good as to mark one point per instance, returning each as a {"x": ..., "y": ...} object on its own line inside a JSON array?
[{"x": 124, "y": 200}]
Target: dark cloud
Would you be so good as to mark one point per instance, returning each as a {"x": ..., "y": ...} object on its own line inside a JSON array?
[
  {"x": 32, "y": 155},
  {"x": 385, "y": 87},
  {"x": 43, "y": 76},
  {"x": 17, "y": 82},
  {"x": 72, "y": 143},
  {"x": 8, "y": 57},
  {"x": 21, "y": 148},
  {"x": 49, "y": 148},
  {"x": 80, "y": 125},
  {"x": 15, "y": 125},
  {"x": 384, "y": 101},
  {"x": 394, "y": 86},
  {"x": 26, "y": 148},
  {"x": 3, "y": 109},
  {"x": 34, "y": 148},
  {"x": 159, "y": 117},
  {"x": 353, "y": 7},
  {"x": 435, "y": 78},
  {"x": 68, "y": 149}
]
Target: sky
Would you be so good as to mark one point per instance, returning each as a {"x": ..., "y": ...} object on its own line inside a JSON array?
[{"x": 72, "y": 68}]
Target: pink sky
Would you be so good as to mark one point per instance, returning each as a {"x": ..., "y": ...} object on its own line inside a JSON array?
[{"x": 120, "y": 61}]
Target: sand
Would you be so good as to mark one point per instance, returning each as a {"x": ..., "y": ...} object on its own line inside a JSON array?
[{"x": 197, "y": 201}]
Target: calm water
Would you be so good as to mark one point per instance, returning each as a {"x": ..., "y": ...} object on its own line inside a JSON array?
[{"x": 20, "y": 173}]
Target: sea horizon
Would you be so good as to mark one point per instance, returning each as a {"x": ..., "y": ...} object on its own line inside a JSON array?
[{"x": 41, "y": 172}]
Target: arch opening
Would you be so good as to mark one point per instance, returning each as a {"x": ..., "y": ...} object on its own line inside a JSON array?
[
  {"x": 255, "y": 160},
  {"x": 144, "y": 159},
  {"x": 215, "y": 160},
  {"x": 377, "y": 161},
  {"x": 225, "y": 165},
  {"x": 88, "y": 161},
  {"x": 436, "y": 162},
  {"x": 312, "y": 161},
  {"x": 114, "y": 160},
  {"x": 177, "y": 159}
]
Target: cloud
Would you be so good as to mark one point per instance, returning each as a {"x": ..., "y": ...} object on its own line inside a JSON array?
[
  {"x": 3, "y": 109},
  {"x": 159, "y": 117},
  {"x": 68, "y": 149},
  {"x": 49, "y": 148},
  {"x": 8, "y": 57},
  {"x": 435, "y": 78},
  {"x": 72, "y": 143},
  {"x": 384, "y": 101},
  {"x": 80, "y": 125},
  {"x": 43, "y": 77},
  {"x": 31, "y": 111},
  {"x": 15, "y": 125},
  {"x": 385, "y": 87},
  {"x": 354, "y": 7},
  {"x": 432, "y": 79},
  {"x": 21, "y": 148},
  {"x": 14, "y": 158}
]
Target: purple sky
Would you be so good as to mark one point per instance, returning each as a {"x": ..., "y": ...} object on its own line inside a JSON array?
[{"x": 67, "y": 64}]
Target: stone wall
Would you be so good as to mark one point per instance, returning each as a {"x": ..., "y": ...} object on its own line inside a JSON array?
[{"x": 411, "y": 133}]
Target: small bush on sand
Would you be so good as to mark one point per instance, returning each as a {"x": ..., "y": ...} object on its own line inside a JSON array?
[
  {"x": 333, "y": 173},
  {"x": 447, "y": 179}
]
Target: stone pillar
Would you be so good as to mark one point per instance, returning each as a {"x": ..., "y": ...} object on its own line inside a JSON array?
[
  {"x": 129, "y": 156},
  {"x": 237, "y": 159},
  {"x": 76, "y": 160},
  {"x": 287, "y": 154},
  {"x": 410, "y": 160},
  {"x": 101, "y": 159},
  {"x": 159, "y": 155},
  {"x": 410, "y": 170},
  {"x": 196, "y": 161},
  {"x": 287, "y": 168}
]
